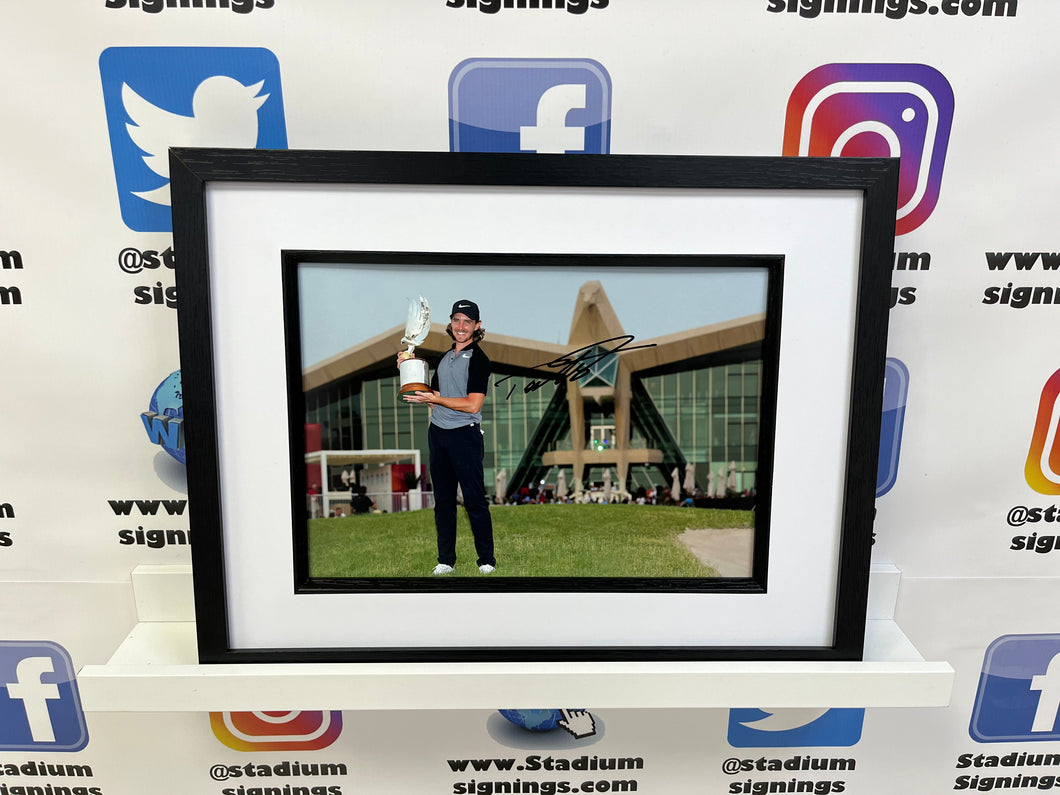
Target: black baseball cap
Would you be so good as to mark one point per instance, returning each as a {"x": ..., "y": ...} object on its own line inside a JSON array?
[{"x": 465, "y": 307}]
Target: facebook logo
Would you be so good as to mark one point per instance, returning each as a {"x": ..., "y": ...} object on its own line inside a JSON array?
[
  {"x": 546, "y": 105},
  {"x": 895, "y": 393},
  {"x": 1019, "y": 690},
  {"x": 40, "y": 709},
  {"x": 795, "y": 728}
]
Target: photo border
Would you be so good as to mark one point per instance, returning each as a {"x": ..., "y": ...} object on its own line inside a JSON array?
[
  {"x": 193, "y": 170},
  {"x": 754, "y": 582}
]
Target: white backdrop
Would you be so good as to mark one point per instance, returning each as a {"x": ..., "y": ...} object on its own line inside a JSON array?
[{"x": 85, "y": 344}]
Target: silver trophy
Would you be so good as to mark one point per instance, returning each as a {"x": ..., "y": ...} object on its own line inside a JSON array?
[{"x": 414, "y": 375}]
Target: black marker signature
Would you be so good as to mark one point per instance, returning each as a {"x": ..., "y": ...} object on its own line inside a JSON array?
[{"x": 572, "y": 366}]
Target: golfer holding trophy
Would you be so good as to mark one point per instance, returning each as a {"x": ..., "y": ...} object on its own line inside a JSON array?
[{"x": 456, "y": 394}]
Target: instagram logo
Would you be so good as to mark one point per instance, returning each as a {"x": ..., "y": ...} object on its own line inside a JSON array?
[
  {"x": 1043, "y": 460},
  {"x": 877, "y": 110},
  {"x": 276, "y": 731}
]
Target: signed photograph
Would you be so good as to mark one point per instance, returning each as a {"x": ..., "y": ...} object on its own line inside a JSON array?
[{"x": 525, "y": 420}]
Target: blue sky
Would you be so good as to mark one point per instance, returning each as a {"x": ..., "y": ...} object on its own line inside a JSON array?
[{"x": 343, "y": 305}]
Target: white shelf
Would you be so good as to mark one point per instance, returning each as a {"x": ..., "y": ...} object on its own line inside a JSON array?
[{"x": 155, "y": 670}]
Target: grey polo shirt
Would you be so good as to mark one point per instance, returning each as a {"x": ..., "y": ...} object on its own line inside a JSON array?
[{"x": 458, "y": 374}]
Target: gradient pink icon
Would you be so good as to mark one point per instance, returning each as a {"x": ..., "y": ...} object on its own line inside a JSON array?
[
  {"x": 877, "y": 110},
  {"x": 1043, "y": 458},
  {"x": 276, "y": 731}
]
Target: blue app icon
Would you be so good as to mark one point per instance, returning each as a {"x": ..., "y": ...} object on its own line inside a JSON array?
[
  {"x": 546, "y": 105},
  {"x": 1019, "y": 690},
  {"x": 158, "y": 97},
  {"x": 40, "y": 709},
  {"x": 795, "y": 728},
  {"x": 895, "y": 394}
]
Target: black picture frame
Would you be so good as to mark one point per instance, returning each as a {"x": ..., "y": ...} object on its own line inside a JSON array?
[{"x": 211, "y": 190}]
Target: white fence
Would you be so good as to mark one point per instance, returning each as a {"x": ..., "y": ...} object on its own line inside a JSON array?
[{"x": 337, "y": 503}]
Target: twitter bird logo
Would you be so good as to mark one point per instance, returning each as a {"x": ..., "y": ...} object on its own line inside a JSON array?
[
  {"x": 224, "y": 113},
  {"x": 160, "y": 97},
  {"x": 795, "y": 728}
]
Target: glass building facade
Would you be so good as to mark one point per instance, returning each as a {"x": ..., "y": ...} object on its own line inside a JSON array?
[{"x": 711, "y": 414}]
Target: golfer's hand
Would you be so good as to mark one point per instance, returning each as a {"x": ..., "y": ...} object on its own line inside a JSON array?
[{"x": 418, "y": 397}]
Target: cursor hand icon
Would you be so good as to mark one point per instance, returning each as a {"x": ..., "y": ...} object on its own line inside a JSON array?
[{"x": 578, "y": 723}]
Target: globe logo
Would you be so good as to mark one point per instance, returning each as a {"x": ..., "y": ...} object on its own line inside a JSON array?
[
  {"x": 535, "y": 720},
  {"x": 164, "y": 419},
  {"x": 539, "y": 729}
]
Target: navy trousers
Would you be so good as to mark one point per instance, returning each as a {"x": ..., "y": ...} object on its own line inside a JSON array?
[{"x": 456, "y": 458}]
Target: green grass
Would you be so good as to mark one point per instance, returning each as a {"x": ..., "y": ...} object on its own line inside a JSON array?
[{"x": 530, "y": 541}]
